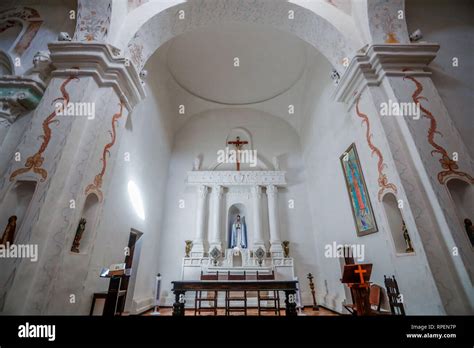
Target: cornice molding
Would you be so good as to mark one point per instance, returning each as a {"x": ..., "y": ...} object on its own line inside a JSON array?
[
  {"x": 234, "y": 178},
  {"x": 103, "y": 63},
  {"x": 379, "y": 61}
]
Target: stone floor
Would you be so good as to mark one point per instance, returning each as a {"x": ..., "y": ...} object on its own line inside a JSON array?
[{"x": 165, "y": 311}]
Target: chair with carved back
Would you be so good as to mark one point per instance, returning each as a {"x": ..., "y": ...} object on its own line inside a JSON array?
[
  {"x": 239, "y": 297},
  {"x": 375, "y": 300},
  {"x": 272, "y": 297},
  {"x": 394, "y": 297},
  {"x": 209, "y": 296}
]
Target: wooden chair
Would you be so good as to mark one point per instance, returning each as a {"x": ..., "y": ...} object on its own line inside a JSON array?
[
  {"x": 393, "y": 293},
  {"x": 235, "y": 296},
  {"x": 210, "y": 297},
  {"x": 272, "y": 296},
  {"x": 375, "y": 300}
]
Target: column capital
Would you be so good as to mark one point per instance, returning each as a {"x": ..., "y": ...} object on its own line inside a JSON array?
[
  {"x": 203, "y": 190},
  {"x": 101, "y": 61},
  {"x": 368, "y": 68},
  {"x": 272, "y": 190},
  {"x": 218, "y": 190},
  {"x": 256, "y": 191}
]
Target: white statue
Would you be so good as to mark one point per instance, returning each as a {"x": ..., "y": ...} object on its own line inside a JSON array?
[
  {"x": 197, "y": 163},
  {"x": 41, "y": 58},
  {"x": 238, "y": 234},
  {"x": 276, "y": 163},
  {"x": 63, "y": 36}
]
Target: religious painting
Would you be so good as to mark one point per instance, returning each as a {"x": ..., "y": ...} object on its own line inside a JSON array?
[{"x": 364, "y": 218}]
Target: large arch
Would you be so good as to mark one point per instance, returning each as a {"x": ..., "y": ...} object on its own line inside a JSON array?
[{"x": 148, "y": 34}]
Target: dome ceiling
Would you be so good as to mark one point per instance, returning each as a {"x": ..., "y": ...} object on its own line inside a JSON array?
[{"x": 270, "y": 62}]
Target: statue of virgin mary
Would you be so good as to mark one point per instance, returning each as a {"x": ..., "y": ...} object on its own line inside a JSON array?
[{"x": 238, "y": 234}]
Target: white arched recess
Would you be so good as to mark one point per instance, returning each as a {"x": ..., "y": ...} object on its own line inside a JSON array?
[{"x": 148, "y": 27}]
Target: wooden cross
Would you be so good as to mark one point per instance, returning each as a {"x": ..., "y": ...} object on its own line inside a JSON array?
[
  {"x": 360, "y": 271},
  {"x": 238, "y": 145}
]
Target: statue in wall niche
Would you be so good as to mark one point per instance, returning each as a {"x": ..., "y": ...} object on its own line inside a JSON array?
[
  {"x": 9, "y": 233},
  {"x": 189, "y": 245},
  {"x": 238, "y": 233},
  {"x": 469, "y": 230},
  {"x": 286, "y": 248},
  {"x": 77, "y": 238},
  {"x": 406, "y": 236}
]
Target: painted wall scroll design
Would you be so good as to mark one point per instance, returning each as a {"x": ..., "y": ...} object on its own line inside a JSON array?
[
  {"x": 96, "y": 186},
  {"x": 24, "y": 17},
  {"x": 93, "y": 21},
  {"x": 383, "y": 182},
  {"x": 35, "y": 162},
  {"x": 450, "y": 166}
]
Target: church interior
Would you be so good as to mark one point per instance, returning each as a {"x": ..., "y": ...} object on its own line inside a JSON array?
[{"x": 236, "y": 157}]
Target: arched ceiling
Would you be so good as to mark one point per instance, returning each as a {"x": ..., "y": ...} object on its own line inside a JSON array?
[{"x": 269, "y": 63}]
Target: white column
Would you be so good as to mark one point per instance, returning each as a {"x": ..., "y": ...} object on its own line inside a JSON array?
[
  {"x": 273, "y": 219},
  {"x": 257, "y": 218},
  {"x": 198, "y": 243},
  {"x": 215, "y": 240}
]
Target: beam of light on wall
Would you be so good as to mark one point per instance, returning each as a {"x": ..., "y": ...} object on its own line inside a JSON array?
[{"x": 136, "y": 199}]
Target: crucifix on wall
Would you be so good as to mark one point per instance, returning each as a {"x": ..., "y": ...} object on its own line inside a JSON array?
[{"x": 238, "y": 146}]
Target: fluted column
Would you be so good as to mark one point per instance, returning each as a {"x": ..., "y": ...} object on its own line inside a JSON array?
[
  {"x": 215, "y": 240},
  {"x": 257, "y": 217},
  {"x": 198, "y": 243},
  {"x": 273, "y": 219}
]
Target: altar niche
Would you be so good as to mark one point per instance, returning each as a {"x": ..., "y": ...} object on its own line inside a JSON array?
[
  {"x": 16, "y": 203},
  {"x": 462, "y": 196}
]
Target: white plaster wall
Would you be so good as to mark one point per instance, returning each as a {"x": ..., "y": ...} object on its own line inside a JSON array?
[
  {"x": 205, "y": 134},
  {"x": 450, "y": 24},
  {"x": 147, "y": 140},
  {"x": 329, "y": 131}
]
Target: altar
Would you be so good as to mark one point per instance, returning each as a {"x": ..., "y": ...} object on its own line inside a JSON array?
[{"x": 249, "y": 198}]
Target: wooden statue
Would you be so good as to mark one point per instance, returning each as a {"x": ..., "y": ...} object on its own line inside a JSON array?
[
  {"x": 189, "y": 245},
  {"x": 286, "y": 248},
  {"x": 9, "y": 233},
  {"x": 406, "y": 236},
  {"x": 77, "y": 238}
]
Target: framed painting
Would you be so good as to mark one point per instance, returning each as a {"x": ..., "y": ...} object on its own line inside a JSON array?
[{"x": 364, "y": 218}]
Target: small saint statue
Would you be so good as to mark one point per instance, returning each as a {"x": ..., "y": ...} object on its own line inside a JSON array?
[
  {"x": 406, "y": 236},
  {"x": 286, "y": 248},
  {"x": 238, "y": 235},
  {"x": 469, "y": 230},
  {"x": 9, "y": 233},
  {"x": 77, "y": 238},
  {"x": 189, "y": 245}
]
